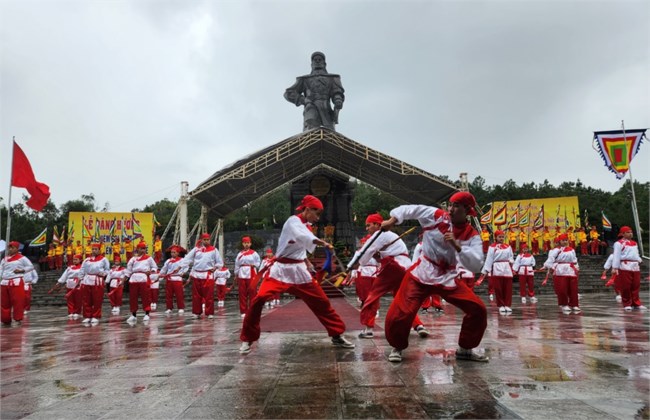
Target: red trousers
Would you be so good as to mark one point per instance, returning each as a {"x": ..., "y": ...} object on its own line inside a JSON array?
[
  {"x": 28, "y": 297},
  {"x": 202, "y": 292},
  {"x": 157, "y": 257},
  {"x": 154, "y": 295},
  {"x": 115, "y": 296},
  {"x": 12, "y": 297},
  {"x": 486, "y": 246},
  {"x": 246, "y": 293},
  {"x": 408, "y": 300},
  {"x": 534, "y": 245},
  {"x": 174, "y": 289},
  {"x": 74, "y": 301},
  {"x": 502, "y": 290},
  {"x": 433, "y": 300},
  {"x": 629, "y": 283},
  {"x": 58, "y": 262},
  {"x": 221, "y": 291},
  {"x": 388, "y": 280},
  {"x": 310, "y": 293},
  {"x": 594, "y": 245},
  {"x": 363, "y": 284},
  {"x": 469, "y": 281},
  {"x": 566, "y": 289},
  {"x": 546, "y": 246},
  {"x": 490, "y": 284},
  {"x": 129, "y": 255},
  {"x": 50, "y": 263},
  {"x": 142, "y": 291},
  {"x": 92, "y": 297},
  {"x": 526, "y": 284},
  {"x": 583, "y": 248}
]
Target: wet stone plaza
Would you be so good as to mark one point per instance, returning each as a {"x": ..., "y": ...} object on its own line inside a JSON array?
[{"x": 543, "y": 365}]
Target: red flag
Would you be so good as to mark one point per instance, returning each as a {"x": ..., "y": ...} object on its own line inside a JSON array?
[{"x": 22, "y": 176}]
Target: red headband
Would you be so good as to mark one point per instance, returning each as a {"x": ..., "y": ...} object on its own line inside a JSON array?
[
  {"x": 374, "y": 218},
  {"x": 563, "y": 237},
  {"x": 625, "y": 229},
  {"x": 498, "y": 232},
  {"x": 142, "y": 245},
  {"x": 205, "y": 236},
  {"x": 246, "y": 239},
  {"x": 15, "y": 244},
  {"x": 78, "y": 256},
  {"x": 466, "y": 199},
  {"x": 311, "y": 202}
]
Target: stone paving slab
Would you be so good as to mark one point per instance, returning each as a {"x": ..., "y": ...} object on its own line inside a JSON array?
[{"x": 544, "y": 364}]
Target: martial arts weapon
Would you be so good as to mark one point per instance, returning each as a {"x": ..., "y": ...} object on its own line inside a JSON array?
[
  {"x": 480, "y": 280},
  {"x": 54, "y": 288},
  {"x": 611, "y": 281},
  {"x": 548, "y": 272}
]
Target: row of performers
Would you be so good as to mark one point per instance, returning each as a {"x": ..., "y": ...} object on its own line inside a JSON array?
[
  {"x": 61, "y": 253},
  {"x": 588, "y": 243}
]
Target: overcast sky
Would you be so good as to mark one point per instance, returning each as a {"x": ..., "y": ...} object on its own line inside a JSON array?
[{"x": 126, "y": 99}]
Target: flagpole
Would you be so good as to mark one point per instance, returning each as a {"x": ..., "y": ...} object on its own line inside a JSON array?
[
  {"x": 11, "y": 179},
  {"x": 635, "y": 211}
]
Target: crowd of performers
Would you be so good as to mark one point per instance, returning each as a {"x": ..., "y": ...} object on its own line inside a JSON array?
[{"x": 441, "y": 270}]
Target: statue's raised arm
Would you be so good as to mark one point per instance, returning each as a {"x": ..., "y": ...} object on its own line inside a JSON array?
[{"x": 317, "y": 92}]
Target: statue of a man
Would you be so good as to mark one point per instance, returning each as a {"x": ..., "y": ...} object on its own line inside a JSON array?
[{"x": 315, "y": 91}]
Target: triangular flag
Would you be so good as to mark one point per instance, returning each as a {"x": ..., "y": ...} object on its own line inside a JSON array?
[
  {"x": 617, "y": 149},
  {"x": 40, "y": 239},
  {"x": 607, "y": 225}
]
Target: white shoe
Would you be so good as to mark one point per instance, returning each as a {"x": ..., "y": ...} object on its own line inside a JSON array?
[
  {"x": 566, "y": 309},
  {"x": 94, "y": 321},
  {"x": 245, "y": 347},
  {"x": 181, "y": 311},
  {"x": 395, "y": 356},
  {"x": 523, "y": 300},
  {"x": 491, "y": 297},
  {"x": 267, "y": 305},
  {"x": 76, "y": 316},
  {"x": 168, "y": 311},
  {"x": 220, "y": 304},
  {"x": 422, "y": 332},
  {"x": 210, "y": 316},
  {"x": 508, "y": 309},
  {"x": 25, "y": 312},
  {"x": 243, "y": 315},
  {"x": 117, "y": 310},
  {"x": 619, "y": 299},
  {"x": 203, "y": 307},
  {"x": 71, "y": 316},
  {"x": 579, "y": 296},
  {"x": 195, "y": 316},
  {"x": 87, "y": 320},
  {"x": 576, "y": 309},
  {"x": 627, "y": 308},
  {"x": 277, "y": 302},
  {"x": 340, "y": 341},
  {"x": 146, "y": 318},
  {"x": 154, "y": 306},
  {"x": 641, "y": 308},
  {"x": 132, "y": 319},
  {"x": 533, "y": 300},
  {"x": 377, "y": 314},
  {"x": 502, "y": 310}
]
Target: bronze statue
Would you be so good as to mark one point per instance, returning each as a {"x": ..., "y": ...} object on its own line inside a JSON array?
[{"x": 315, "y": 91}]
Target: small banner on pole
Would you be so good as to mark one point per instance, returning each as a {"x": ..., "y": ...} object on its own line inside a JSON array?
[{"x": 618, "y": 148}]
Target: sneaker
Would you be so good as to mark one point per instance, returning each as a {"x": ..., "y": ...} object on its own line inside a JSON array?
[
  {"x": 366, "y": 334},
  {"x": 181, "y": 311},
  {"x": 340, "y": 341},
  {"x": 25, "y": 312},
  {"x": 154, "y": 306},
  {"x": 277, "y": 302},
  {"x": 94, "y": 321},
  {"x": 243, "y": 315},
  {"x": 195, "y": 316},
  {"x": 523, "y": 300},
  {"x": 377, "y": 314},
  {"x": 422, "y": 332},
  {"x": 508, "y": 309},
  {"x": 221, "y": 304},
  {"x": 566, "y": 309},
  {"x": 146, "y": 318},
  {"x": 575, "y": 309},
  {"x": 533, "y": 299},
  {"x": 619, "y": 299},
  {"x": 76, "y": 316},
  {"x": 395, "y": 356},
  {"x": 203, "y": 307},
  {"x": 491, "y": 296},
  {"x": 117, "y": 310},
  {"x": 502, "y": 310},
  {"x": 641, "y": 308},
  {"x": 468, "y": 354},
  {"x": 168, "y": 311},
  {"x": 627, "y": 308},
  {"x": 245, "y": 347},
  {"x": 87, "y": 320},
  {"x": 267, "y": 305},
  {"x": 71, "y": 316},
  {"x": 210, "y": 316},
  {"x": 424, "y": 310},
  {"x": 132, "y": 319}
]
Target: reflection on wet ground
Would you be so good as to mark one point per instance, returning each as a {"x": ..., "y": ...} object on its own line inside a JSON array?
[{"x": 544, "y": 364}]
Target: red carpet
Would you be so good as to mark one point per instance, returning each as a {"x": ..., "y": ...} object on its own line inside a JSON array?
[{"x": 295, "y": 316}]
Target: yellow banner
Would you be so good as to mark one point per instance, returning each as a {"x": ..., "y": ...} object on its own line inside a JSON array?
[{"x": 106, "y": 227}]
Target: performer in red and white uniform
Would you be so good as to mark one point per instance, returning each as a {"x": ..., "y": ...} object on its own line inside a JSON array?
[
  {"x": 94, "y": 270},
  {"x": 394, "y": 261},
  {"x": 364, "y": 275},
  {"x": 13, "y": 268},
  {"x": 524, "y": 266},
  {"x": 246, "y": 265},
  {"x": 222, "y": 275},
  {"x": 498, "y": 265},
  {"x": 563, "y": 264},
  {"x": 139, "y": 270},
  {"x": 266, "y": 263},
  {"x": 627, "y": 271},
  {"x": 154, "y": 287},
  {"x": 115, "y": 280},
  {"x": 205, "y": 260},
  {"x": 448, "y": 238},
  {"x": 608, "y": 266},
  {"x": 290, "y": 273},
  {"x": 173, "y": 271},
  {"x": 71, "y": 277},
  {"x": 434, "y": 301}
]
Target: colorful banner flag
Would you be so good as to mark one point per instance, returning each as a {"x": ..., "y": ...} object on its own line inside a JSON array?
[
  {"x": 486, "y": 219},
  {"x": 514, "y": 219},
  {"x": 566, "y": 219},
  {"x": 618, "y": 149},
  {"x": 557, "y": 216},
  {"x": 539, "y": 221},
  {"x": 155, "y": 221},
  {"x": 607, "y": 225},
  {"x": 111, "y": 231},
  {"x": 97, "y": 233},
  {"x": 137, "y": 229},
  {"x": 576, "y": 217},
  {"x": 123, "y": 235},
  {"x": 22, "y": 176},
  {"x": 501, "y": 216},
  {"x": 524, "y": 219},
  {"x": 71, "y": 231},
  {"x": 55, "y": 236},
  {"x": 85, "y": 234},
  {"x": 586, "y": 219},
  {"x": 40, "y": 239}
]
